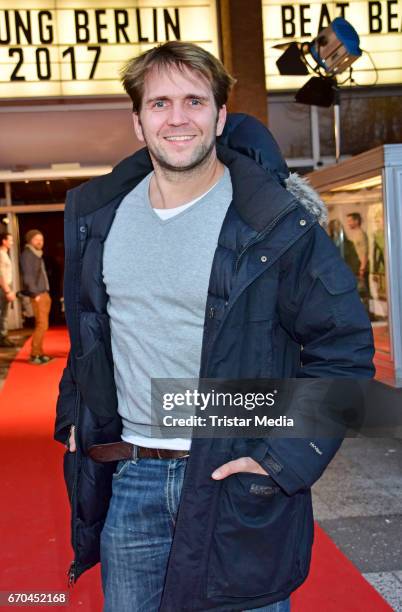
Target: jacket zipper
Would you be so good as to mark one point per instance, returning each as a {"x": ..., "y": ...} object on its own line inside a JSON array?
[
  {"x": 71, "y": 573},
  {"x": 251, "y": 243}
]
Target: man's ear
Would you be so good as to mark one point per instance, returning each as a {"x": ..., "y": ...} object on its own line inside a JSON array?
[
  {"x": 138, "y": 127},
  {"x": 220, "y": 124}
]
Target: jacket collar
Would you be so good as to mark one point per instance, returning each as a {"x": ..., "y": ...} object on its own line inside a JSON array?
[{"x": 257, "y": 197}]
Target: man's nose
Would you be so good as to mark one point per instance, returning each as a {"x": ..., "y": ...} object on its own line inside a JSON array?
[{"x": 177, "y": 114}]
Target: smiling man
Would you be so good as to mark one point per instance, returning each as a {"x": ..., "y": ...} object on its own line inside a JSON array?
[
  {"x": 180, "y": 125},
  {"x": 189, "y": 260}
]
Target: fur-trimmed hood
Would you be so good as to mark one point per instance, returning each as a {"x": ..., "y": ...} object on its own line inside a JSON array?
[
  {"x": 248, "y": 136},
  {"x": 302, "y": 190}
]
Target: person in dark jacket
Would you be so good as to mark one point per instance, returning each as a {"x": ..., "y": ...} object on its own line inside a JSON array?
[
  {"x": 36, "y": 286},
  {"x": 204, "y": 259}
]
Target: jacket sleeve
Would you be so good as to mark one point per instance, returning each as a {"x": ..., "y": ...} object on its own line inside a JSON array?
[
  {"x": 66, "y": 404},
  {"x": 320, "y": 309},
  {"x": 28, "y": 273}
]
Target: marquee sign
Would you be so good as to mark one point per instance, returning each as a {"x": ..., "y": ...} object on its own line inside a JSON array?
[
  {"x": 76, "y": 47},
  {"x": 378, "y": 23}
]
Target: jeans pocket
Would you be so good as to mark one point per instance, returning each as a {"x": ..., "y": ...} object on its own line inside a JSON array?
[
  {"x": 121, "y": 468},
  {"x": 254, "y": 544}
]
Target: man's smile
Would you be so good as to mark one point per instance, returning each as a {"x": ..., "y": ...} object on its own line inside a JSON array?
[{"x": 179, "y": 138}]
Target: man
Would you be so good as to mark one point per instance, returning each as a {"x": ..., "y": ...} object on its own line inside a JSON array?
[
  {"x": 191, "y": 259},
  {"x": 7, "y": 295},
  {"x": 358, "y": 237},
  {"x": 36, "y": 285}
]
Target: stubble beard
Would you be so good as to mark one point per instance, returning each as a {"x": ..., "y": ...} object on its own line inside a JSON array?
[{"x": 199, "y": 159}]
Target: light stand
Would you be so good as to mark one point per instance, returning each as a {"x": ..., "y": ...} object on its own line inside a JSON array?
[{"x": 337, "y": 123}]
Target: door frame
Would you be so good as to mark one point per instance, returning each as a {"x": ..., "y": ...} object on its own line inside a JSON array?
[{"x": 9, "y": 212}]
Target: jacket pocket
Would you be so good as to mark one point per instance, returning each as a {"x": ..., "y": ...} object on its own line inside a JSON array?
[
  {"x": 341, "y": 295},
  {"x": 255, "y": 541},
  {"x": 95, "y": 380},
  {"x": 337, "y": 280}
]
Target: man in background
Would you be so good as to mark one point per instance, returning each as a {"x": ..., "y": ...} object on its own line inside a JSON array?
[
  {"x": 36, "y": 285},
  {"x": 7, "y": 295},
  {"x": 360, "y": 242}
]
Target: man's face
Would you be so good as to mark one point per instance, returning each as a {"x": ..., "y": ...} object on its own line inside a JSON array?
[
  {"x": 178, "y": 120},
  {"x": 37, "y": 241},
  {"x": 8, "y": 242},
  {"x": 352, "y": 223}
]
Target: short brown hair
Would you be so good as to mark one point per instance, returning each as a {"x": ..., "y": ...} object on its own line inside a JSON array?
[
  {"x": 176, "y": 54},
  {"x": 3, "y": 237},
  {"x": 31, "y": 233}
]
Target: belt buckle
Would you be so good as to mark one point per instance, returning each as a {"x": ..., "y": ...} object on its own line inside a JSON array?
[{"x": 135, "y": 453}]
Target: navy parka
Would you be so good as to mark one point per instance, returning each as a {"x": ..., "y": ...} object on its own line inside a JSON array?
[{"x": 281, "y": 303}]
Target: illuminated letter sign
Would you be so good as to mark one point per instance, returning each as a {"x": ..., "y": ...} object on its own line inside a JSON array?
[
  {"x": 378, "y": 23},
  {"x": 71, "y": 48}
]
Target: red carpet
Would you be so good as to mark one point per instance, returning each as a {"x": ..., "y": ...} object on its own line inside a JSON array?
[
  {"x": 35, "y": 514},
  {"x": 34, "y": 520}
]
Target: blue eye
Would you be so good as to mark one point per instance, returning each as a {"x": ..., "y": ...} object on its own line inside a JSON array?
[
  {"x": 195, "y": 102},
  {"x": 159, "y": 104}
]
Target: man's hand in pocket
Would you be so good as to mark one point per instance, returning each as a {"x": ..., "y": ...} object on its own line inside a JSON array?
[
  {"x": 71, "y": 440},
  {"x": 243, "y": 464}
]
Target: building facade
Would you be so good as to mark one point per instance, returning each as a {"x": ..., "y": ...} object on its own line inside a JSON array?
[{"x": 65, "y": 118}]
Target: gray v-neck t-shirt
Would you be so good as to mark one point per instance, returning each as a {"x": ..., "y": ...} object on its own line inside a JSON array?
[{"x": 156, "y": 274}]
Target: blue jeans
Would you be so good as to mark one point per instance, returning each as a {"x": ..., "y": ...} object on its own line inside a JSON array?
[
  {"x": 4, "y": 304},
  {"x": 138, "y": 532}
]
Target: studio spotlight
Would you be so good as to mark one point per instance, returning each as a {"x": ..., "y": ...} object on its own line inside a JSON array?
[
  {"x": 336, "y": 47},
  {"x": 332, "y": 52}
]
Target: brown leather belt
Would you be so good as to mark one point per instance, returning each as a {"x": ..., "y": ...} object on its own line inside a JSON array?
[{"x": 116, "y": 451}]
